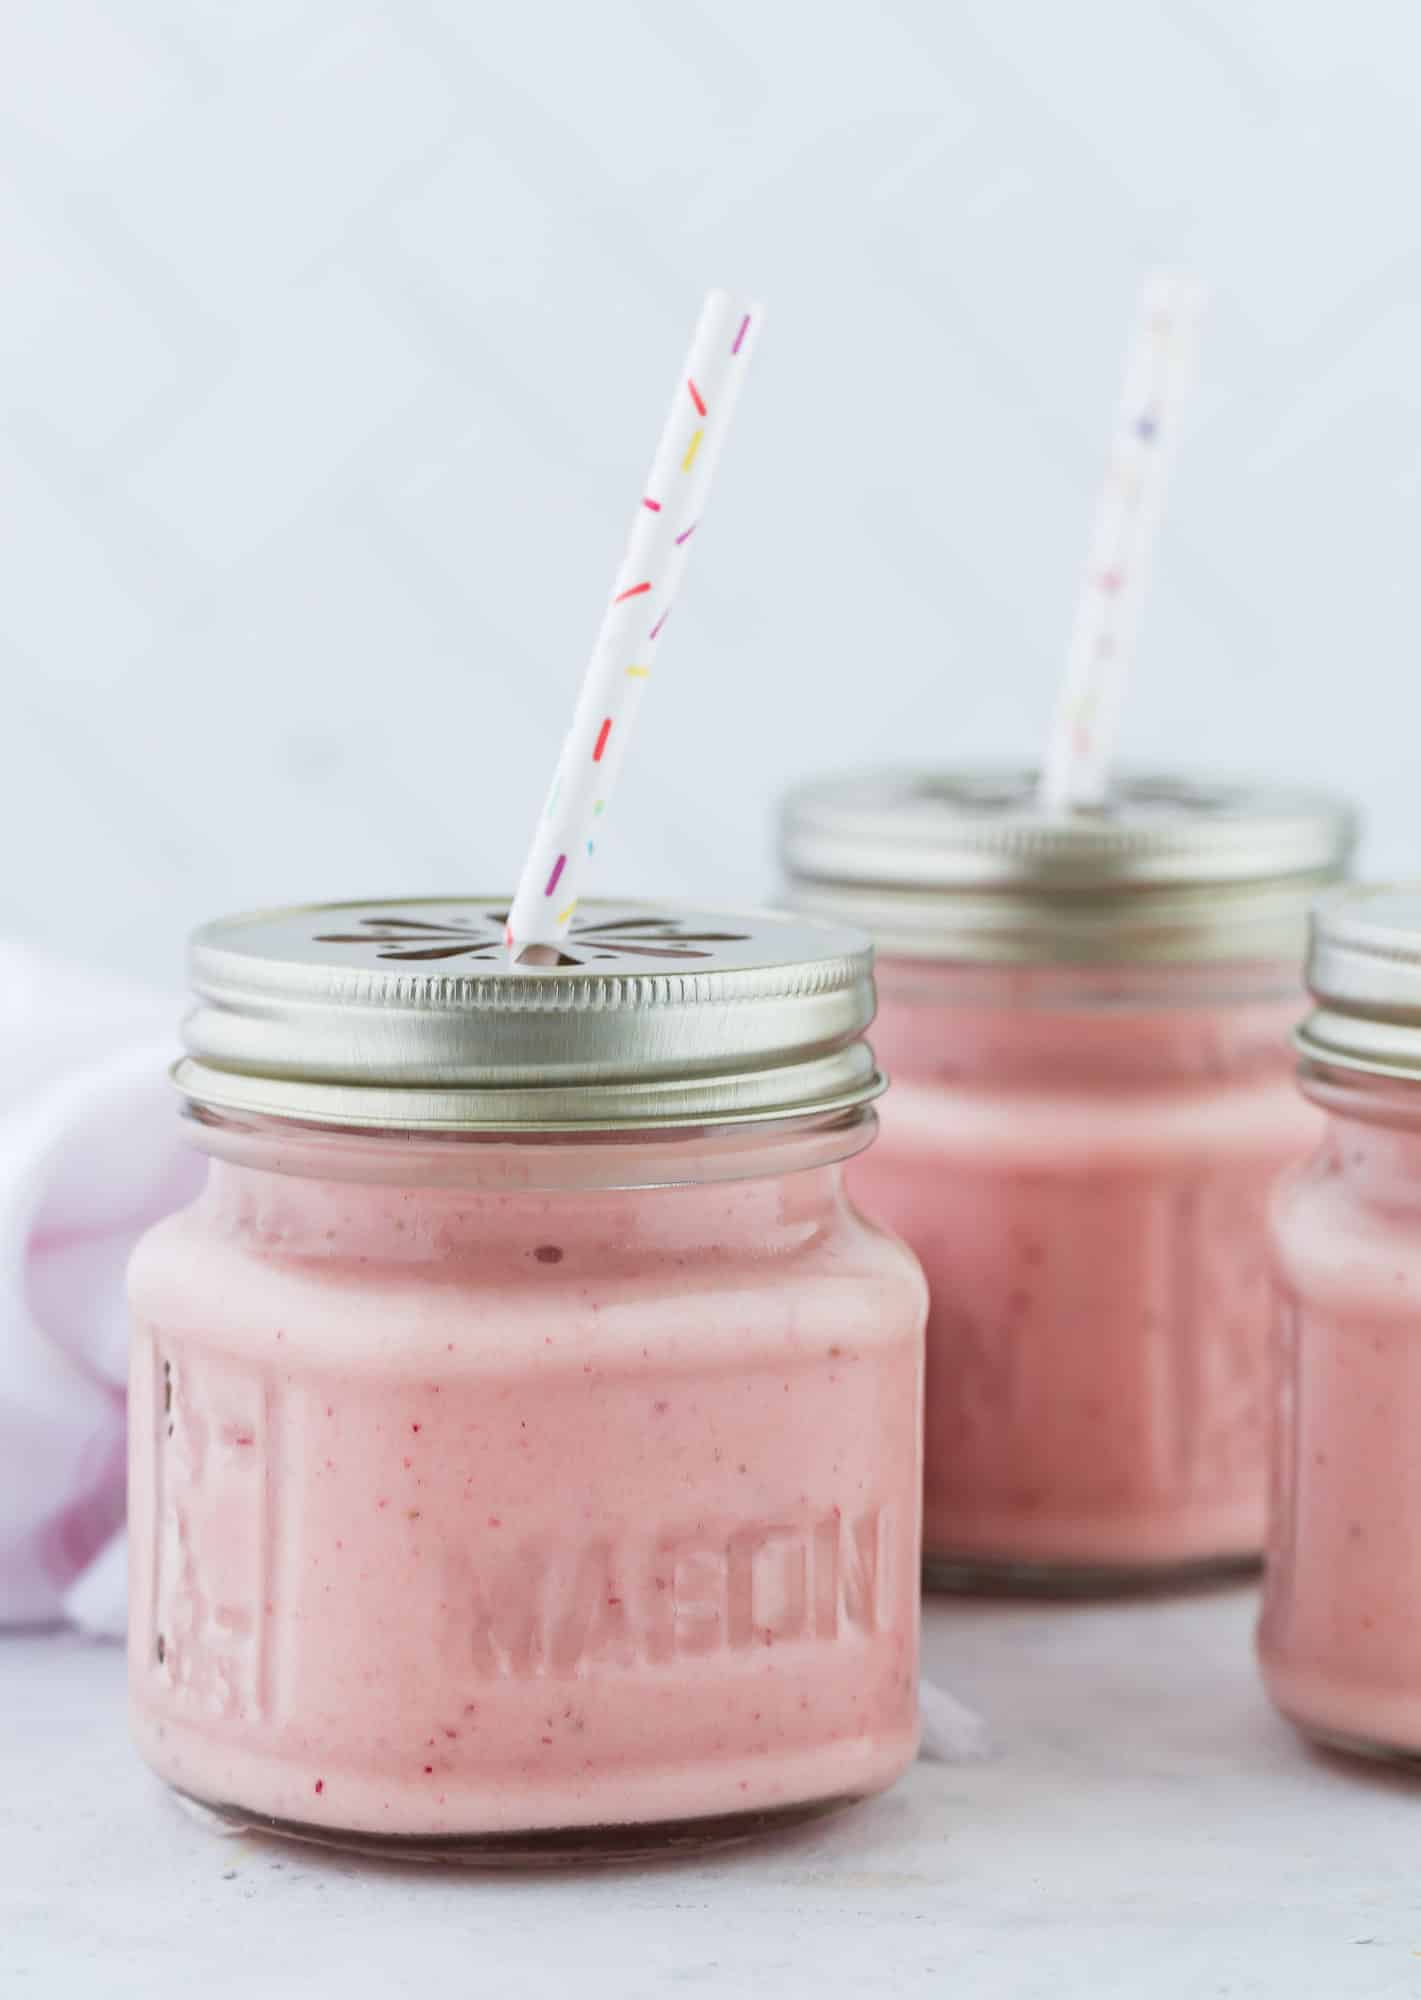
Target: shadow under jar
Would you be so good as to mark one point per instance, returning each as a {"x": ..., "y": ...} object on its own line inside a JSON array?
[
  {"x": 1340, "y": 1634},
  {"x": 525, "y": 1428},
  {"x": 1085, "y": 1019}
]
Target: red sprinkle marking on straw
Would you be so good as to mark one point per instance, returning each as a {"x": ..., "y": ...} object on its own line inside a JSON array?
[
  {"x": 603, "y": 733},
  {"x": 558, "y": 867},
  {"x": 696, "y": 399},
  {"x": 655, "y": 505},
  {"x": 635, "y": 591},
  {"x": 744, "y": 325}
]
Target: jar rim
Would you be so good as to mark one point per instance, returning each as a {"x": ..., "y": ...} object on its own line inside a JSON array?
[{"x": 629, "y": 1159}]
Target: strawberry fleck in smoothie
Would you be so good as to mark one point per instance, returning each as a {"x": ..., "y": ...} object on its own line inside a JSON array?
[
  {"x": 507, "y": 1487},
  {"x": 1086, "y": 1023},
  {"x": 1340, "y": 1636}
]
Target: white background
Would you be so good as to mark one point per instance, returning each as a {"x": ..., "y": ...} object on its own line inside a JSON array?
[{"x": 336, "y": 334}]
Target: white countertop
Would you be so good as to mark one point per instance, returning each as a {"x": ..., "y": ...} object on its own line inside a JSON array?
[{"x": 1147, "y": 1829}]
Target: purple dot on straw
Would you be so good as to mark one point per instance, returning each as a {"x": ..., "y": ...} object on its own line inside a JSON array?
[
  {"x": 558, "y": 867},
  {"x": 744, "y": 324},
  {"x": 1146, "y": 428}
]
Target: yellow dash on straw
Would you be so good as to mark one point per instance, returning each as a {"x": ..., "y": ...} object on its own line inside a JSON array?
[
  {"x": 565, "y": 915},
  {"x": 638, "y": 673},
  {"x": 692, "y": 448}
]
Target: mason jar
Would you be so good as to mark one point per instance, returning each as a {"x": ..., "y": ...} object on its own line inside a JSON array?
[
  {"x": 525, "y": 1428},
  {"x": 1340, "y": 1635},
  {"x": 1085, "y": 1019}
]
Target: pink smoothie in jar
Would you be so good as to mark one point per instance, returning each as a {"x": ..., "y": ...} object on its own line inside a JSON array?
[
  {"x": 1086, "y": 1022},
  {"x": 525, "y": 1429},
  {"x": 1340, "y": 1635}
]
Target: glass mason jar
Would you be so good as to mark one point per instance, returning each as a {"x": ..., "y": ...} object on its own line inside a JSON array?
[
  {"x": 525, "y": 1428},
  {"x": 1340, "y": 1634},
  {"x": 1085, "y": 1019}
]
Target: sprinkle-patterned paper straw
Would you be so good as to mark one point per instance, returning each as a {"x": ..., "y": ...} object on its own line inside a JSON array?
[
  {"x": 1158, "y": 376},
  {"x": 626, "y": 653}
]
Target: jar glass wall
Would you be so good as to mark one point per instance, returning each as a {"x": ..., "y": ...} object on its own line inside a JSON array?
[
  {"x": 525, "y": 1497},
  {"x": 1340, "y": 1635},
  {"x": 1082, "y": 1158}
]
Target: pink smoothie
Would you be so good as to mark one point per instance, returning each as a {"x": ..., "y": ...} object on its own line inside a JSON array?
[
  {"x": 1082, "y": 1162},
  {"x": 1340, "y": 1638},
  {"x": 475, "y": 1509}
]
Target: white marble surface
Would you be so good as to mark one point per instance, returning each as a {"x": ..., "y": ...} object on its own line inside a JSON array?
[{"x": 1147, "y": 1829}]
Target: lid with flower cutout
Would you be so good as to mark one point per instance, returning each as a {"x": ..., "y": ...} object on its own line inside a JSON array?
[{"x": 409, "y": 1014}]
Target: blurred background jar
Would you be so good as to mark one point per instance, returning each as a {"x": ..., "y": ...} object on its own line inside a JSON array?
[
  {"x": 1340, "y": 1636},
  {"x": 1085, "y": 1020}
]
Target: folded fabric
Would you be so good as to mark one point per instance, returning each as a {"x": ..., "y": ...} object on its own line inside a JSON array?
[
  {"x": 952, "y": 1733},
  {"x": 91, "y": 1153}
]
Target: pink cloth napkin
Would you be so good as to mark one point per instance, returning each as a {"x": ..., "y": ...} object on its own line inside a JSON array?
[{"x": 91, "y": 1153}]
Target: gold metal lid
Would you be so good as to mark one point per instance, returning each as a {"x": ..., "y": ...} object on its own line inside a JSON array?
[
  {"x": 1364, "y": 971},
  {"x": 965, "y": 864},
  {"x": 407, "y": 1014}
]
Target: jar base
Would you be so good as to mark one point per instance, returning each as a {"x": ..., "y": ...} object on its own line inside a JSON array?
[
  {"x": 1011, "y": 1576},
  {"x": 538, "y": 1847},
  {"x": 1348, "y": 1745},
  {"x": 1352, "y": 1712}
]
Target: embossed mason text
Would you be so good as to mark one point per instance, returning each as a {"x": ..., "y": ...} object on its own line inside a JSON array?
[{"x": 561, "y": 1612}]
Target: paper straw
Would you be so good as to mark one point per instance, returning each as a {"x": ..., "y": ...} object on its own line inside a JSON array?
[
  {"x": 663, "y": 532},
  {"x": 1158, "y": 376}
]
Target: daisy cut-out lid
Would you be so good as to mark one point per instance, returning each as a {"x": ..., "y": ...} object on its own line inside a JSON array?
[
  {"x": 967, "y": 864},
  {"x": 409, "y": 1014}
]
